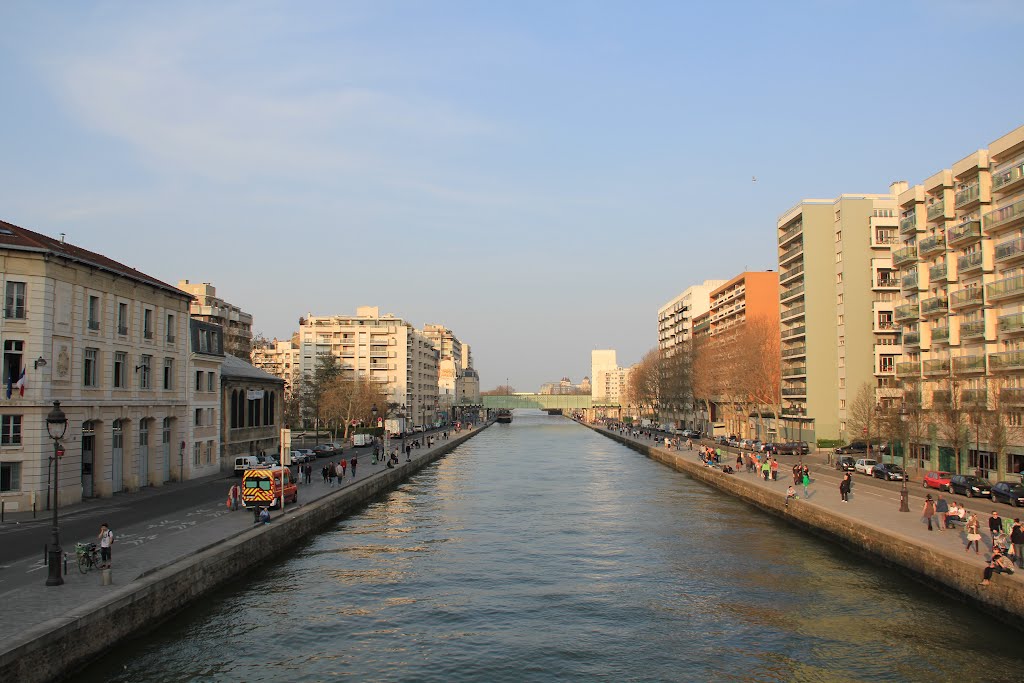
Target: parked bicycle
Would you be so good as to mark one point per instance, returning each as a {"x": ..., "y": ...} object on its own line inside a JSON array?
[{"x": 88, "y": 556}]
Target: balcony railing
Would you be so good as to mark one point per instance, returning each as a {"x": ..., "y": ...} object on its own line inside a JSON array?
[
  {"x": 1003, "y": 217},
  {"x": 884, "y": 325},
  {"x": 940, "y": 397},
  {"x": 930, "y": 245},
  {"x": 788, "y": 275},
  {"x": 1012, "y": 396},
  {"x": 798, "y": 351},
  {"x": 884, "y": 239},
  {"x": 975, "y": 328},
  {"x": 1010, "y": 249},
  {"x": 906, "y": 312},
  {"x": 908, "y": 223},
  {"x": 912, "y": 398},
  {"x": 794, "y": 391},
  {"x": 934, "y": 304},
  {"x": 886, "y": 369},
  {"x": 1007, "y": 360},
  {"x": 964, "y": 232},
  {"x": 940, "y": 334},
  {"x": 937, "y": 272},
  {"x": 969, "y": 262},
  {"x": 909, "y": 280},
  {"x": 936, "y": 210},
  {"x": 1009, "y": 324},
  {"x": 1006, "y": 288},
  {"x": 936, "y": 366},
  {"x": 974, "y": 397},
  {"x": 795, "y": 371},
  {"x": 904, "y": 255},
  {"x": 962, "y": 298},
  {"x": 794, "y": 331},
  {"x": 969, "y": 364},
  {"x": 789, "y": 234},
  {"x": 908, "y": 369},
  {"x": 967, "y": 195},
  {"x": 790, "y": 253},
  {"x": 791, "y": 292},
  {"x": 912, "y": 338},
  {"x": 1004, "y": 179},
  {"x": 887, "y": 282},
  {"x": 791, "y": 312}
]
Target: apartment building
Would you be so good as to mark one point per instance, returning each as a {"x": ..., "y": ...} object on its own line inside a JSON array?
[
  {"x": 610, "y": 381},
  {"x": 837, "y": 294},
  {"x": 281, "y": 359},
  {"x": 675, "y": 318},
  {"x": 204, "y": 375},
  {"x": 380, "y": 348},
  {"x": 109, "y": 343},
  {"x": 237, "y": 324},
  {"x": 962, "y": 311},
  {"x": 454, "y": 366}
]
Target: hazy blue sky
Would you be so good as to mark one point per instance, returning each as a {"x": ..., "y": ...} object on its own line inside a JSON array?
[{"x": 538, "y": 176}]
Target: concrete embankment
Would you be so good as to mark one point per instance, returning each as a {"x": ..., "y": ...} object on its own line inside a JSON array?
[
  {"x": 54, "y": 649},
  {"x": 957, "y": 576}
]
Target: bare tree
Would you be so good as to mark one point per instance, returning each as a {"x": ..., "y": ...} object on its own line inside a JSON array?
[
  {"x": 677, "y": 379},
  {"x": 347, "y": 399},
  {"x": 644, "y": 389},
  {"x": 951, "y": 414},
  {"x": 760, "y": 367},
  {"x": 500, "y": 390},
  {"x": 863, "y": 419}
]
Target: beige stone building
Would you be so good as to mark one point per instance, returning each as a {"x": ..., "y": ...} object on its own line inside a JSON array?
[
  {"x": 252, "y": 413},
  {"x": 204, "y": 378},
  {"x": 837, "y": 296},
  {"x": 206, "y": 306},
  {"x": 380, "y": 348},
  {"x": 961, "y": 262},
  {"x": 281, "y": 359},
  {"x": 111, "y": 344},
  {"x": 610, "y": 383},
  {"x": 458, "y": 383},
  {"x": 675, "y": 318}
]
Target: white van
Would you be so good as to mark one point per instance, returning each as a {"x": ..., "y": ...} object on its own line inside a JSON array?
[
  {"x": 246, "y": 462},
  {"x": 362, "y": 440}
]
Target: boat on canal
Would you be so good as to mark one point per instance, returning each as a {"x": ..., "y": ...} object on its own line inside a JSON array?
[{"x": 504, "y": 416}]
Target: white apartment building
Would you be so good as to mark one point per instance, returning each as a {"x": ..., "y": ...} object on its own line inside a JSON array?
[
  {"x": 206, "y": 306},
  {"x": 675, "y": 319},
  {"x": 281, "y": 359},
  {"x": 380, "y": 348},
  {"x": 111, "y": 344},
  {"x": 610, "y": 381}
]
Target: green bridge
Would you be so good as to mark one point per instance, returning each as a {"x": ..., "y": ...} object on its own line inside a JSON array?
[{"x": 541, "y": 401}]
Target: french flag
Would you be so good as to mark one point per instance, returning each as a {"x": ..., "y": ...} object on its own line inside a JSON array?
[{"x": 19, "y": 385}]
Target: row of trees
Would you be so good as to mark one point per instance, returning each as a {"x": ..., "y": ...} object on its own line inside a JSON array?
[{"x": 328, "y": 398}]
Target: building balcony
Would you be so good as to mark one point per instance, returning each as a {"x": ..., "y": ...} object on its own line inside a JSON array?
[
  {"x": 935, "y": 305},
  {"x": 970, "y": 262},
  {"x": 906, "y": 312},
  {"x": 972, "y": 330},
  {"x": 931, "y": 245},
  {"x": 887, "y": 282},
  {"x": 964, "y": 233},
  {"x": 791, "y": 234},
  {"x": 937, "y": 211},
  {"x": 1009, "y": 179},
  {"x": 1007, "y": 288},
  {"x": 791, "y": 274},
  {"x": 974, "y": 397},
  {"x": 1006, "y": 217},
  {"x": 967, "y": 195},
  {"x": 795, "y": 352},
  {"x": 966, "y": 298},
  {"x": 1011, "y": 324},
  {"x": 912, "y": 399},
  {"x": 794, "y": 391},
  {"x": 793, "y": 312},
  {"x": 908, "y": 223},
  {"x": 937, "y": 273},
  {"x": 940, "y": 398},
  {"x": 886, "y": 369},
  {"x": 794, "y": 332},
  {"x": 884, "y": 239},
  {"x": 940, "y": 335},
  {"x": 791, "y": 254},
  {"x": 794, "y": 410},
  {"x": 904, "y": 255},
  {"x": 792, "y": 292},
  {"x": 1012, "y": 396},
  {"x": 908, "y": 369},
  {"x": 936, "y": 366},
  {"x": 795, "y": 371},
  {"x": 912, "y": 338},
  {"x": 909, "y": 280},
  {"x": 1007, "y": 360},
  {"x": 969, "y": 364},
  {"x": 1010, "y": 250},
  {"x": 884, "y": 325}
]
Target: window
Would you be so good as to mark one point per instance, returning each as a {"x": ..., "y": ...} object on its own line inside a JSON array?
[
  {"x": 10, "y": 430},
  {"x": 209, "y": 452},
  {"x": 12, "y": 360},
  {"x": 234, "y": 409},
  {"x": 94, "y": 313},
  {"x": 14, "y": 301},
  {"x": 10, "y": 476},
  {"x": 145, "y": 372},
  {"x": 90, "y": 369},
  {"x": 210, "y": 416},
  {"x": 120, "y": 362},
  {"x": 197, "y": 453},
  {"x": 122, "y": 319},
  {"x": 147, "y": 323},
  {"x": 199, "y": 380},
  {"x": 168, "y": 373},
  {"x": 199, "y": 417},
  {"x": 211, "y": 381},
  {"x": 840, "y": 319},
  {"x": 170, "y": 328}
]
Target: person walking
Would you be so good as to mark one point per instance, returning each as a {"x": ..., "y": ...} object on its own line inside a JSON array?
[
  {"x": 797, "y": 472},
  {"x": 928, "y": 511},
  {"x": 323, "y": 473},
  {"x": 344, "y": 466},
  {"x": 775, "y": 469},
  {"x": 766, "y": 469},
  {"x": 353, "y": 463},
  {"x": 233, "y": 495},
  {"x": 942, "y": 510},
  {"x": 995, "y": 525},
  {"x": 806, "y": 481},
  {"x": 844, "y": 488},
  {"x": 408, "y": 453},
  {"x": 330, "y": 474},
  {"x": 1017, "y": 539},
  {"x": 340, "y": 471},
  {"x": 973, "y": 533},
  {"x": 106, "y": 539}
]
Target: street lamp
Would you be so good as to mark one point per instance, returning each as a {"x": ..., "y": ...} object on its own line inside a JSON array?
[
  {"x": 56, "y": 426},
  {"x": 904, "y": 502},
  {"x": 373, "y": 413}
]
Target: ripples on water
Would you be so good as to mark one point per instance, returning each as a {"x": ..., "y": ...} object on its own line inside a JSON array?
[{"x": 540, "y": 551}]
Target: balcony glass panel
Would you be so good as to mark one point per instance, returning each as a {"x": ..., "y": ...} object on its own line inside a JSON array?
[
  {"x": 1005, "y": 288},
  {"x": 789, "y": 234},
  {"x": 1007, "y": 360},
  {"x": 936, "y": 210},
  {"x": 963, "y": 232},
  {"x": 904, "y": 255},
  {"x": 908, "y": 223},
  {"x": 937, "y": 272},
  {"x": 908, "y": 369},
  {"x": 912, "y": 338},
  {"x": 1004, "y": 216},
  {"x": 791, "y": 292},
  {"x": 788, "y": 254},
  {"x": 936, "y": 366},
  {"x": 972, "y": 329},
  {"x": 969, "y": 261},
  {"x": 1009, "y": 176},
  {"x": 971, "y": 296},
  {"x": 906, "y": 312},
  {"x": 967, "y": 195},
  {"x": 940, "y": 334},
  {"x": 793, "y": 331},
  {"x": 790, "y": 372},
  {"x": 909, "y": 280},
  {"x": 974, "y": 397},
  {"x": 935, "y": 304},
  {"x": 931, "y": 244},
  {"x": 790, "y": 312},
  {"x": 969, "y": 364},
  {"x": 1010, "y": 249},
  {"x": 1008, "y": 324},
  {"x": 940, "y": 397},
  {"x": 797, "y": 351},
  {"x": 1013, "y": 396}
]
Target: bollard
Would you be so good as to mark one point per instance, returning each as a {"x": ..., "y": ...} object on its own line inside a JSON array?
[
  {"x": 33, "y": 509},
  {"x": 105, "y": 577}
]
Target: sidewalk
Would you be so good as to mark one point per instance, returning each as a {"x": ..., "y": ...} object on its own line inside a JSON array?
[{"x": 147, "y": 546}]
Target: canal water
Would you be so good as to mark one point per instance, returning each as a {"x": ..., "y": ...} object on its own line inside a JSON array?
[{"x": 541, "y": 551}]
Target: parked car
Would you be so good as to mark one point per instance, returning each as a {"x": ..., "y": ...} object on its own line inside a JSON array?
[
  {"x": 853, "y": 447},
  {"x": 734, "y": 442},
  {"x": 1009, "y": 492},
  {"x": 324, "y": 450},
  {"x": 691, "y": 434},
  {"x": 722, "y": 441},
  {"x": 865, "y": 466},
  {"x": 846, "y": 463},
  {"x": 244, "y": 463},
  {"x": 747, "y": 445},
  {"x": 970, "y": 486},
  {"x": 937, "y": 480},
  {"x": 888, "y": 471},
  {"x": 794, "y": 448}
]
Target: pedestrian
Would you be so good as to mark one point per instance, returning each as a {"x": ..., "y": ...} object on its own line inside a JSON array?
[
  {"x": 1017, "y": 539},
  {"x": 790, "y": 493},
  {"x": 806, "y": 481},
  {"x": 106, "y": 539},
  {"x": 766, "y": 469},
  {"x": 797, "y": 472},
  {"x": 323, "y": 473},
  {"x": 233, "y": 495},
  {"x": 775, "y": 469},
  {"x": 330, "y": 474},
  {"x": 973, "y": 533},
  {"x": 340, "y": 471},
  {"x": 344, "y": 466},
  {"x": 942, "y": 510},
  {"x": 309, "y": 474},
  {"x": 739, "y": 461},
  {"x": 408, "y": 453},
  {"x": 928, "y": 511},
  {"x": 353, "y": 463},
  {"x": 995, "y": 525},
  {"x": 844, "y": 488}
]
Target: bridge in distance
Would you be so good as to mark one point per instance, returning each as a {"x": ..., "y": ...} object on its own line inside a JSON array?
[{"x": 565, "y": 402}]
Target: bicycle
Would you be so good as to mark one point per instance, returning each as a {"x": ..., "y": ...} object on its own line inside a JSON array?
[{"x": 88, "y": 556}]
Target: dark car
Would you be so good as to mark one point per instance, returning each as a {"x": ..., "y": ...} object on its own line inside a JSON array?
[
  {"x": 853, "y": 447},
  {"x": 970, "y": 486},
  {"x": 722, "y": 441},
  {"x": 691, "y": 433},
  {"x": 846, "y": 463},
  {"x": 324, "y": 450},
  {"x": 888, "y": 471},
  {"x": 1009, "y": 492},
  {"x": 794, "y": 448}
]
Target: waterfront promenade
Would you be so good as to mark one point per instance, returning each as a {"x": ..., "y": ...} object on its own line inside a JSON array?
[{"x": 144, "y": 549}]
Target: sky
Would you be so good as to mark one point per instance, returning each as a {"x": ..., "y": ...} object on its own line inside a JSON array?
[{"x": 538, "y": 176}]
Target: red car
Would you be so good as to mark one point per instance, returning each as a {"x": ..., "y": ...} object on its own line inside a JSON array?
[{"x": 937, "y": 480}]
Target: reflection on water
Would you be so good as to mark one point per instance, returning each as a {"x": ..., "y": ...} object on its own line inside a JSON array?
[{"x": 541, "y": 551}]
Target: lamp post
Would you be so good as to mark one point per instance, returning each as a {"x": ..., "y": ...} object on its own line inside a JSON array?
[
  {"x": 373, "y": 413},
  {"x": 904, "y": 502},
  {"x": 56, "y": 426}
]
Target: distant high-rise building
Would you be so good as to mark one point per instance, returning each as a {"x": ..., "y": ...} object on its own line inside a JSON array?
[{"x": 237, "y": 324}]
